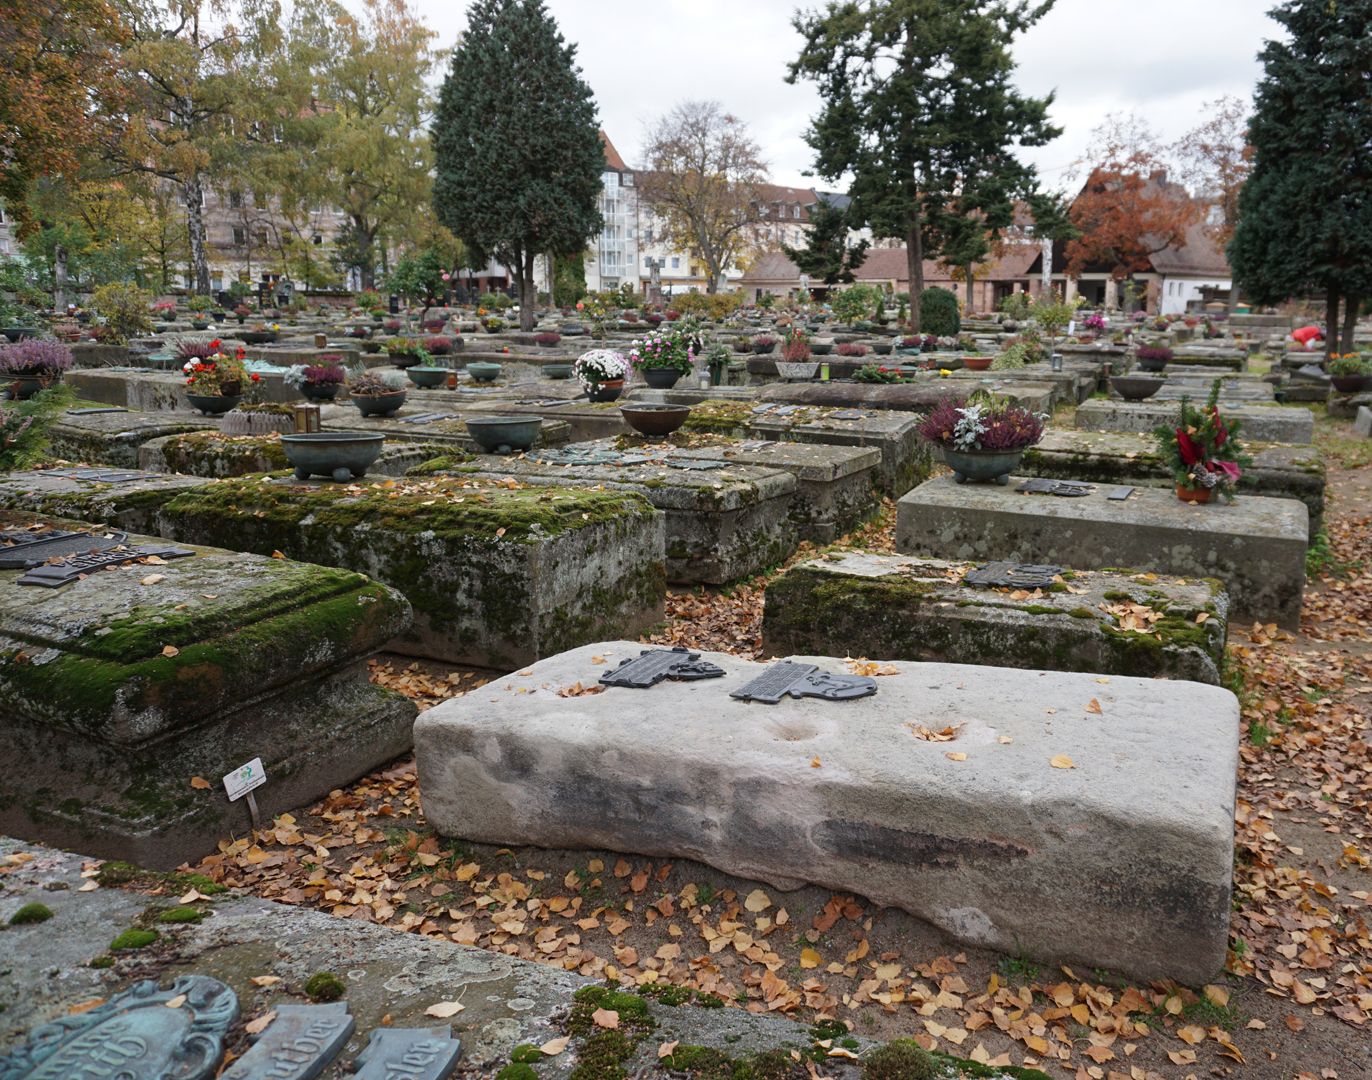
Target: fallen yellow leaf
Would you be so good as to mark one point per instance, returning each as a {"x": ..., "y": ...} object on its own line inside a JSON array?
[
  {"x": 256, "y": 1027},
  {"x": 553, "y": 1047},
  {"x": 605, "y": 1018},
  {"x": 757, "y": 900},
  {"x": 444, "y": 1009},
  {"x": 809, "y": 958},
  {"x": 667, "y": 1048},
  {"x": 199, "y": 783},
  {"x": 1062, "y": 761}
]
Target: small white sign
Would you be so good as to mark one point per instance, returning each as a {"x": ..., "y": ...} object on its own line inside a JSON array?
[
  {"x": 1071, "y": 327},
  {"x": 244, "y": 779}
]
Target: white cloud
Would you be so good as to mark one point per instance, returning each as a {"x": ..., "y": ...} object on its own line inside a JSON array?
[{"x": 1163, "y": 59}]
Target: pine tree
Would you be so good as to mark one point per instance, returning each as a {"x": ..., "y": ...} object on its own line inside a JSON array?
[
  {"x": 918, "y": 106},
  {"x": 828, "y": 256},
  {"x": 516, "y": 143},
  {"x": 1305, "y": 213}
]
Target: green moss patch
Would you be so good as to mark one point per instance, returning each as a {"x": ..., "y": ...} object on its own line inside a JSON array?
[
  {"x": 324, "y": 986},
  {"x": 181, "y": 915},
  {"x": 134, "y": 938},
  {"x": 30, "y": 914}
]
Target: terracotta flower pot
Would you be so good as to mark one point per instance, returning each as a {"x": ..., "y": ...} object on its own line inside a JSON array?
[
  {"x": 977, "y": 363},
  {"x": 1199, "y": 496},
  {"x": 607, "y": 391}
]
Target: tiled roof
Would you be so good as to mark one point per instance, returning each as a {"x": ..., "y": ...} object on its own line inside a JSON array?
[{"x": 612, "y": 158}]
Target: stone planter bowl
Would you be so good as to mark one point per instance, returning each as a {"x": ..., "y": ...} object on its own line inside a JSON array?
[
  {"x": 882, "y": 348},
  {"x": 505, "y": 434},
  {"x": 341, "y": 456},
  {"x": 1136, "y": 387},
  {"x": 797, "y": 369},
  {"x": 319, "y": 391},
  {"x": 25, "y": 384},
  {"x": 1351, "y": 384},
  {"x": 1151, "y": 364},
  {"x": 428, "y": 377},
  {"x": 481, "y": 371},
  {"x": 257, "y": 337},
  {"x": 982, "y": 466},
  {"x": 654, "y": 421},
  {"x": 379, "y": 404},
  {"x": 661, "y": 378},
  {"x": 213, "y": 405},
  {"x": 557, "y": 371},
  {"x": 18, "y": 333},
  {"x": 606, "y": 391}
]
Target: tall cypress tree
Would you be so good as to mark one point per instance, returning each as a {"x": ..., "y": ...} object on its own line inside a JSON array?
[
  {"x": 516, "y": 142},
  {"x": 918, "y": 106},
  {"x": 1305, "y": 213}
]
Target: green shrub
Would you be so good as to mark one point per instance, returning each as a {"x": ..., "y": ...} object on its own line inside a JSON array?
[
  {"x": 854, "y": 302},
  {"x": 24, "y": 427},
  {"x": 938, "y": 313},
  {"x": 125, "y": 311}
]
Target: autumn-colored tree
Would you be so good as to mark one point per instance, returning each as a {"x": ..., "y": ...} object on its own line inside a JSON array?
[
  {"x": 58, "y": 61},
  {"x": 701, "y": 175},
  {"x": 1128, "y": 210},
  {"x": 1214, "y": 160}
]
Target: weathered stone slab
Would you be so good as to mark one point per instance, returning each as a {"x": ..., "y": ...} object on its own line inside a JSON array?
[
  {"x": 1109, "y": 457},
  {"x": 722, "y": 524},
  {"x": 215, "y": 455},
  {"x": 909, "y": 397},
  {"x": 498, "y": 575},
  {"x": 409, "y": 1054},
  {"x": 1255, "y": 546},
  {"x": 905, "y": 458},
  {"x": 1122, "y": 860},
  {"x": 113, "y": 438},
  {"x": 121, "y": 686},
  {"x": 1362, "y": 425},
  {"x": 129, "y": 504},
  {"x": 865, "y": 604},
  {"x": 298, "y": 1045},
  {"x": 444, "y": 424},
  {"x": 1262, "y": 423}
]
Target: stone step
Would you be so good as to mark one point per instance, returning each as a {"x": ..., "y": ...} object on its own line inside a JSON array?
[
  {"x": 123, "y": 685},
  {"x": 1256, "y": 545},
  {"x": 865, "y": 604},
  {"x": 1073, "y": 829}
]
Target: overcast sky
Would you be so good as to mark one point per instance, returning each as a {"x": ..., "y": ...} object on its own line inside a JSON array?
[{"x": 1163, "y": 59}]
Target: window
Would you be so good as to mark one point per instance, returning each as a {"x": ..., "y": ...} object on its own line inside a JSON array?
[
  {"x": 240, "y": 237},
  {"x": 795, "y": 211},
  {"x": 628, "y": 180},
  {"x": 316, "y": 239},
  {"x": 676, "y": 263},
  {"x": 235, "y": 200}
]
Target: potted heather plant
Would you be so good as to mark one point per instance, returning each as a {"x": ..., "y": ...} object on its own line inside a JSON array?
[
  {"x": 763, "y": 344},
  {"x": 33, "y": 364},
  {"x": 1203, "y": 450},
  {"x": 601, "y": 373},
  {"x": 662, "y": 356},
  {"x": 406, "y": 352},
  {"x": 983, "y": 439},
  {"x": 318, "y": 382},
  {"x": 795, "y": 362},
  {"x": 1153, "y": 357},
  {"x": 547, "y": 339},
  {"x": 377, "y": 394}
]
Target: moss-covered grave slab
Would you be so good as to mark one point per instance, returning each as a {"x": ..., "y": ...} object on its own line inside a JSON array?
[
  {"x": 1261, "y": 423},
  {"x": 1256, "y": 545},
  {"x": 905, "y": 458},
  {"x": 120, "y": 687},
  {"x": 113, "y": 438},
  {"x": 216, "y": 455},
  {"x": 129, "y": 500},
  {"x": 498, "y": 573},
  {"x": 723, "y": 524},
  {"x": 1112, "y": 457},
  {"x": 1119, "y": 857},
  {"x": 866, "y": 604},
  {"x": 422, "y": 424},
  {"x": 910, "y": 397}
]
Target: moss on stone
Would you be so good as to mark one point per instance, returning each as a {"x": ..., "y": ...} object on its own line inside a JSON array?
[
  {"x": 30, "y": 914},
  {"x": 134, "y": 938},
  {"x": 518, "y": 1071},
  {"x": 443, "y": 463},
  {"x": 181, "y": 915},
  {"x": 603, "y": 1056},
  {"x": 723, "y": 417},
  {"x": 526, "y": 1053},
  {"x": 324, "y": 986},
  {"x": 102, "y": 962},
  {"x": 902, "y": 1059}
]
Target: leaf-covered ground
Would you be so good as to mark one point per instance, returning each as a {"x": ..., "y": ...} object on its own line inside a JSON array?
[{"x": 1295, "y": 1002}]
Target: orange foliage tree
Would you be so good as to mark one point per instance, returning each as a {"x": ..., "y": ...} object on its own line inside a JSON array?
[{"x": 1128, "y": 210}]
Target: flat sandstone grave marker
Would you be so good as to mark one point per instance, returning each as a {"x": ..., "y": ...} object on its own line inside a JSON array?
[
  {"x": 869, "y": 604},
  {"x": 1072, "y": 817},
  {"x": 1261, "y": 423},
  {"x": 1256, "y": 545}
]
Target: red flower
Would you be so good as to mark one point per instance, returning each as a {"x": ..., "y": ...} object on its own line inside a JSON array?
[
  {"x": 215, "y": 344},
  {"x": 240, "y": 353},
  {"x": 256, "y": 377},
  {"x": 1189, "y": 451}
]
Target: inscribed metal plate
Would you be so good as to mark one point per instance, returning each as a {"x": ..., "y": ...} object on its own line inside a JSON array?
[
  {"x": 787, "y": 678},
  {"x": 651, "y": 666}
]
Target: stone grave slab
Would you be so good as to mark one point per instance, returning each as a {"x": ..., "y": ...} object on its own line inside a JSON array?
[
  {"x": 1346, "y": 406},
  {"x": 906, "y": 459},
  {"x": 113, "y": 438},
  {"x": 122, "y": 685},
  {"x": 1261, "y": 423},
  {"x": 724, "y": 521},
  {"x": 1111, "y": 457},
  {"x": 1362, "y": 424},
  {"x": 497, "y": 574},
  {"x": 409, "y": 1054},
  {"x": 439, "y": 424},
  {"x": 1121, "y": 857},
  {"x": 214, "y": 455},
  {"x": 1255, "y": 546},
  {"x": 868, "y": 604},
  {"x": 77, "y": 492}
]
